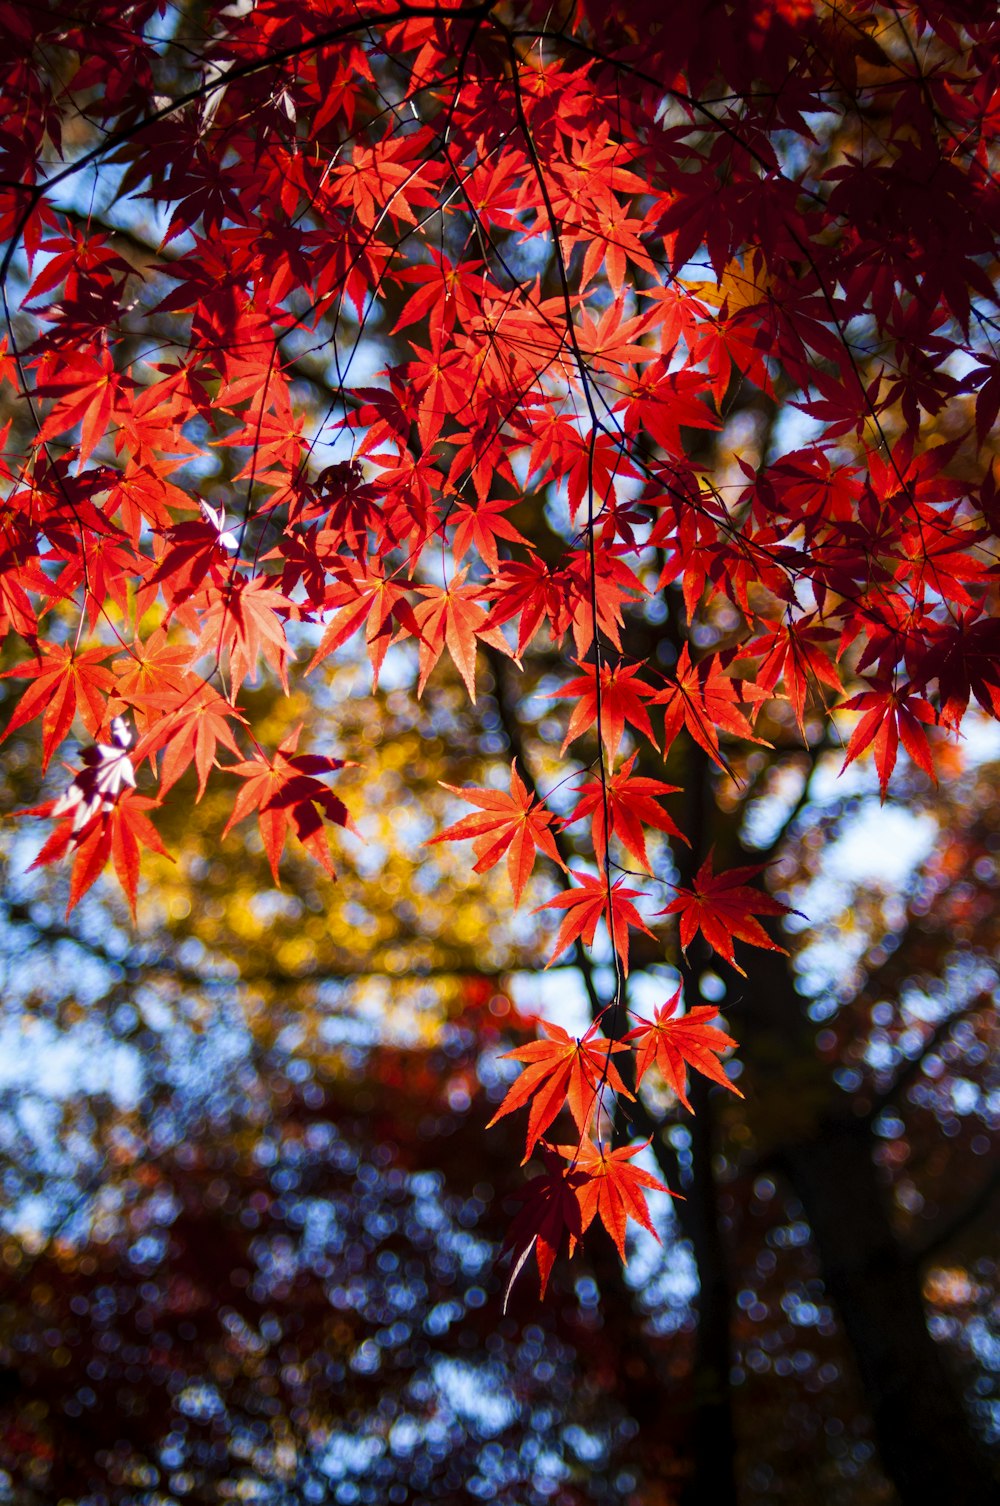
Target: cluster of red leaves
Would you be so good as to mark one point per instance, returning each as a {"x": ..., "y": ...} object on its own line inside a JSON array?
[
  {"x": 610, "y": 148},
  {"x": 596, "y": 1180}
]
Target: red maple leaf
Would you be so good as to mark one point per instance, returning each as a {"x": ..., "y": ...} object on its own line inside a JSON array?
[
  {"x": 706, "y": 701},
  {"x": 597, "y": 424},
  {"x": 549, "y": 1212},
  {"x": 620, "y": 700},
  {"x": 116, "y": 832},
  {"x": 631, "y": 803},
  {"x": 362, "y": 594},
  {"x": 586, "y": 906},
  {"x": 452, "y": 616},
  {"x": 607, "y": 1186},
  {"x": 286, "y": 795},
  {"x": 675, "y": 1042},
  {"x": 190, "y": 726},
  {"x": 794, "y": 651},
  {"x": 86, "y": 390},
  {"x": 722, "y": 907},
  {"x": 63, "y": 679},
  {"x": 516, "y": 824},
  {"x": 562, "y": 1069},
  {"x": 194, "y": 552},
  {"x": 479, "y": 528},
  {"x": 242, "y": 621},
  {"x": 964, "y": 656},
  {"x": 153, "y": 667},
  {"x": 531, "y": 590},
  {"x": 131, "y": 830},
  {"x": 891, "y": 715}
]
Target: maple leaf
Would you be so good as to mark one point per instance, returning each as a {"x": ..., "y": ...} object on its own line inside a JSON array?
[
  {"x": 964, "y": 656},
  {"x": 242, "y": 622},
  {"x": 452, "y": 616},
  {"x": 189, "y": 727},
  {"x": 107, "y": 771},
  {"x": 63, "y": 681},
  {"x": 611, "y": 342},
  {"x": 891, "y": 714},
  {"x": 675, "y": 1042},
  {"x": 116, "y": 834},
  {"x": 195, "y": 549},
  {"x": 286, "y": 794},
  {"x": 793, "y": 652},
  {"x": 480, "y": 527},
  {"x": 156, "y": 667},
  {"x": 594, "y": 470},
  {"x": 131, "y": 830},
  {"x": 363, "y": 595},
  {"x": 722, "y": 907},
  {"x": 606, "y": 415},
  {"x": 563, "y": 1069},
  {"x": 530, "y": 590},
  {"x": 86, "y": 393},
  {"x": 663, "y": 401},
  {"x": 16, "y": 610},
  {"x": 274, "y": 438},
  {"x": 617, "y": 586},
  {"x": 516, "y": 824},
  {"x": 631, "y": 802},
  {"x": 987, "y": 399},
  {"x": 586, "y": 906},
  {"x": 102, "y": 818},
  {"x": 704, "y": 700},
  {"x": 549, "y": 1212},
  {"x": 621, "y": 692},
  {"x": 608, "y": 1187}
]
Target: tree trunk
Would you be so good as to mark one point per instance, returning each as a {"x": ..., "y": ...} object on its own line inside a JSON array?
[
  {"x": 920, "y": 1426},
  {"x": 926, "y": 1445},
  {"x": 713, "y": 1442}
]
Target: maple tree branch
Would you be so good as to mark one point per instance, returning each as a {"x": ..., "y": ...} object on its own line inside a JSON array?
[
  {"x": 637, "y": 1114},
  {"x": 959, "y": 1220},
  {"x": 144, "y": 252}
]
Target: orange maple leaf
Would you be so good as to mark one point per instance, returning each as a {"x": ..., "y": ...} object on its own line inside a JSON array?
[
  {"x": 62, "y": 678},
  {"x": 675, "y": 1042},
  {"x": 620, "y": 702},
  {"x": 286, "y": 794},
  {"x": 586, "y": 906},
  {"x": 706, "y": 701},
  {"x": 562, "y": 1069},
  {"x": 631, "y": 804},
  {"x": 116, "y": 832},
  {"x": 242, "y": 621},
  {"x": 514, "y": 823},
  {"x": 607, "y": 1186},
  {"x": 452, "y": 617}
]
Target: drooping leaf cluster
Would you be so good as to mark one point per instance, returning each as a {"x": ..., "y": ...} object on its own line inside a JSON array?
[{"x": 577, "y": 236}]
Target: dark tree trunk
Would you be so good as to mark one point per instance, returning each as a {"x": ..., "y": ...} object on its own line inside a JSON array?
[
  {"x": 920, "y": 1426},
  {"x": 713, "y": 1478},
  {"x": 713, "y": 1441},
  {"x": 926, "y": 1445}
]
